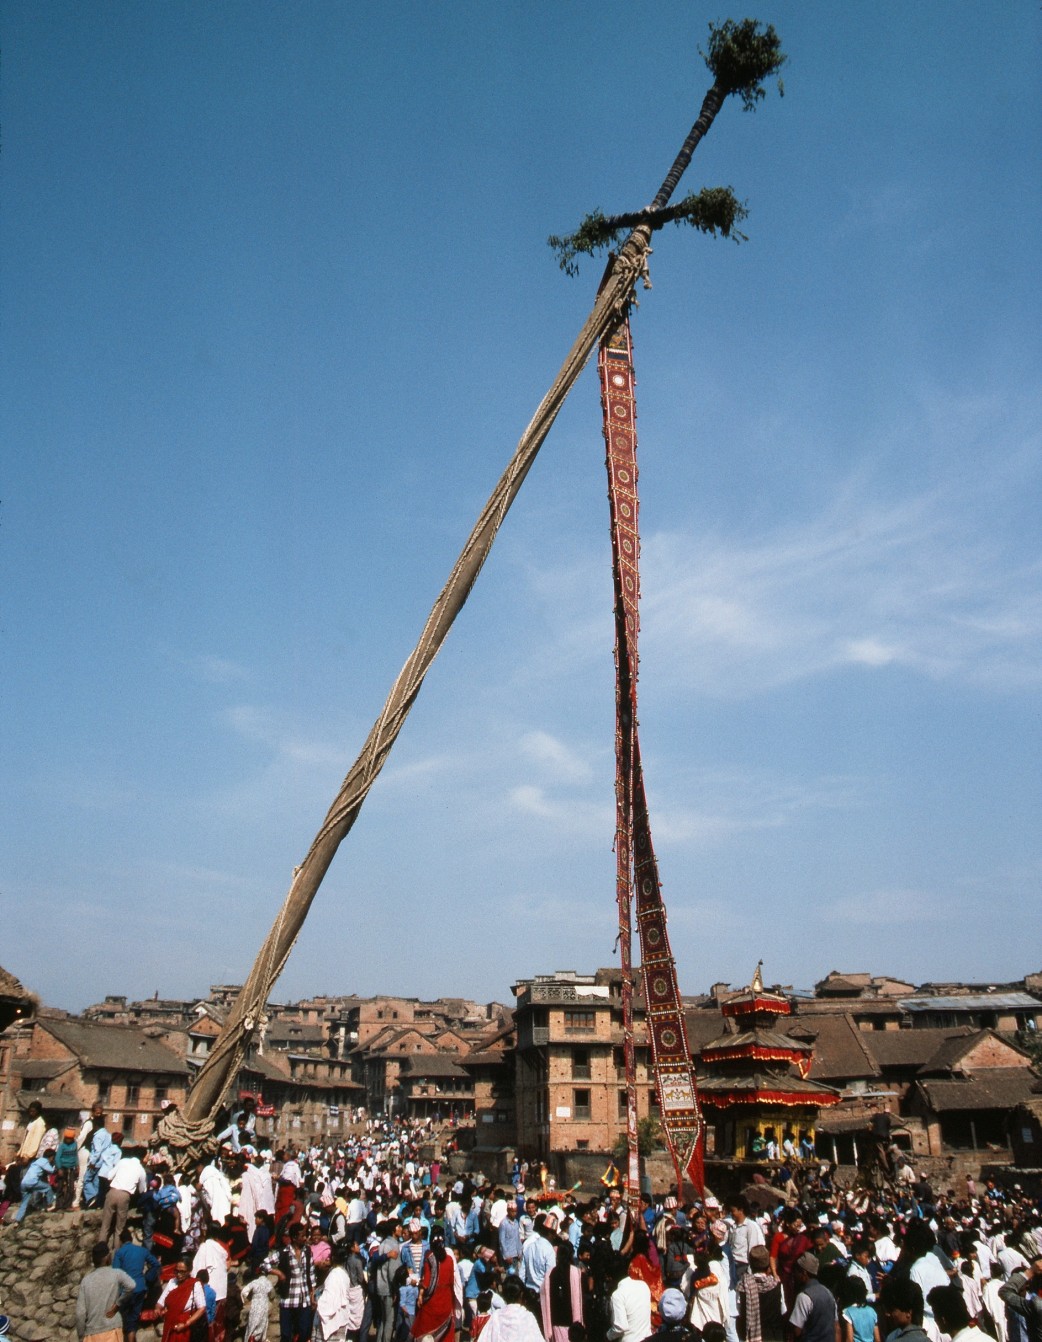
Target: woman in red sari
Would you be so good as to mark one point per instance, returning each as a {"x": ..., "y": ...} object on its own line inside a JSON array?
[
  {"x": 182, "y": 1304},
  {"x": 794, "y": 1241},
  {"x": 436, "y": 1306},
  {"x": 644, "y": 1267}
]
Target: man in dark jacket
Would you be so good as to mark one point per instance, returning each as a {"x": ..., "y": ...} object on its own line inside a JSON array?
[
  {"x": 813, "y": 1317},
  {"x": 1023, "y": 1302}
]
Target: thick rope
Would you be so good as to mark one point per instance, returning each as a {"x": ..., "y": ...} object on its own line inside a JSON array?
[
  {"x": 229, "y": 1051},
  {"x": 191, "y": 1141}
]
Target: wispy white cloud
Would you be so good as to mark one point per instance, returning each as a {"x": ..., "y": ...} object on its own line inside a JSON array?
[
  {"x": 208, "y": 877},
  {"x": 576, "y": 816},
  {"x": 215, "y": 670},
  {"x": 723, "y": 804},
  {"x": 882, "y": 572},
  {"x": 555, "y": 758},
  {"x": 886, "y": 907},
  {"x": 430, "y": 766},
  {"x": 266, "y": 727},
  {"x": 864, "y": 585}
]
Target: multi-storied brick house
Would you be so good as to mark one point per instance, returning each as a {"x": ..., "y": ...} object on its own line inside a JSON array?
[
  {"x": 68, "y": 1064},
  {"x": 570, "y": 1090}
]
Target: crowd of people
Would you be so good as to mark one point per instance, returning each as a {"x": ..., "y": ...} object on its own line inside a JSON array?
[{"x": 365, "y": 1241}]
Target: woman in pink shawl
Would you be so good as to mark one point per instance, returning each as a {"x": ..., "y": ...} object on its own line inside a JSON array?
[{"x": 561, "y": 1296}]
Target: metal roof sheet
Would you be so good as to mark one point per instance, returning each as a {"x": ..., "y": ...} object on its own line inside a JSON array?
[{"x": 972, "y": 1002}]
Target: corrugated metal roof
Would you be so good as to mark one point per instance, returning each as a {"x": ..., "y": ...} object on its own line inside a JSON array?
[{"x": 972, "y": 1002}]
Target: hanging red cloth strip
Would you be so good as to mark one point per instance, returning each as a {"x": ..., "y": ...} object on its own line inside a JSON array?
[{"x": 635, "y": 855}]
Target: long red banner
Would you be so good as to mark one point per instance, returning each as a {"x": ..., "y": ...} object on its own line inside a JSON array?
[{"x": 637, "y": 869}]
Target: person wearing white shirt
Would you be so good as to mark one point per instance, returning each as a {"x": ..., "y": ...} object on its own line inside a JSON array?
[
  {"x": 927, "y": 1273},
  {"x": 256, "y": 1194},
  {"x": 710, "y": 1301},
  {"x": 217, "y": 1193},
  {"x": 128, "y": 1180},
  {"x": 971, "y": 1292},
  {"x": 883, "y": 1246},
  {"x": 984, "y": 1257},
  {"x": 994, "y": 1303},
  {"x": 515, "y": 1323},
  {"x": 1011, "y": 1260},
  {"x": 630, "y": 1311},
  {"x": 860, "y": 1255},
  {"x": 213, "y": 1256},
  {"x": 745, "y": 1235},
  {"x": 498, "y": 1210},
  {"x": 950, "y": 1314}
]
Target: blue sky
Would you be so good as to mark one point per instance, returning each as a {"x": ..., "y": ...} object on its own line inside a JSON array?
[{"x": 277, "y": 305}]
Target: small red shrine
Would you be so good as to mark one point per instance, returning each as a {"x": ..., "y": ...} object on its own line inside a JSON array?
[{"x": 753, "y": 1080}]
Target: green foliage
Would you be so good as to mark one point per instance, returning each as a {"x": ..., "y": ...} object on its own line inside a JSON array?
[
  {"x": 713, "y": 210},
  {"x": 741, "y": 57},
  {"x": 591, "y": 235},
  {"x": 649, "y": 1140}
]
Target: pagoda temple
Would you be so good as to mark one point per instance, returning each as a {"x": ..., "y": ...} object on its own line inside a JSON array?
[{"x": 753, "y": 1084}]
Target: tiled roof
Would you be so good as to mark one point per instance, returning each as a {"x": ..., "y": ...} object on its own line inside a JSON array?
[
  {"x": 294, "y": 1033},
  {"x": 484, "y": 1058},
  {"x": 840, "y": 1048},
  {"x": 388, "y": 1035},
  {"x": 122, "y": 1048},
  {"x": 46, "y": 1069},
  {"x": 263, "y": 1066},
  {"x": 840, "y": 1120},
  {"x": 766, "y": 1081},
  {"x": 996, "y": 1088},
  {"x": 913, "y": 1048},
  {"x": 703, "y": 1027},
  {"x": 435, "y": 1064},
  {"x": 859, "y": 1006},
  {"x": 328, "y": 1083},
  {"x": 953, "y": 1050},
  {"x": 775, "y": 1039},
  {"x": 837, "y": 982}
]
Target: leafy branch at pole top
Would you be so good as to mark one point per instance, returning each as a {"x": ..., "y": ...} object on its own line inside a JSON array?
[{"x": 741, "y": 56}]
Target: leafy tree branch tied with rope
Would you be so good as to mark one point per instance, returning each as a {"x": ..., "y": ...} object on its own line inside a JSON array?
[{"x": 740, "y": 56}]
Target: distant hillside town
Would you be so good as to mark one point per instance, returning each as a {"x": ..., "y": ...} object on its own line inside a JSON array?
[{"x": 951, "y": 1067}]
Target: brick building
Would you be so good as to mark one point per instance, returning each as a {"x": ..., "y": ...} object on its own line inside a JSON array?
[
  {"x": 570, "y": 1075},
  {"x": 67, "y": 1064}
]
